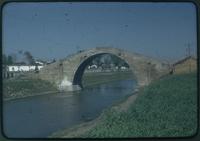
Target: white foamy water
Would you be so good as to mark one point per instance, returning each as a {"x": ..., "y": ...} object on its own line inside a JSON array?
[{"x": 65, "y": 82}]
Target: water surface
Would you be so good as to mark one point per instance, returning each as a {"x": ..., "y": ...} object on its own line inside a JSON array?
[{"x": 40, "y": 116}]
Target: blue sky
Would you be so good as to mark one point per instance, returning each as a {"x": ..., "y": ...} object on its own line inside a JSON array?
[{"x": 55, "y": 30}]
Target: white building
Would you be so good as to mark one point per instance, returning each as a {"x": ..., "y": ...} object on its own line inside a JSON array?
[
  {"x": 92, "y": 67},
  {"x": 22, "y": 68},
  {"x": 40, "y": 62},
  {"x": 123, "y": 68}
]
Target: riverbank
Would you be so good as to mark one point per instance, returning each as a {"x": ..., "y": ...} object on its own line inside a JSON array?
[
  {"x": 78, "y": 130},
  {"x": 165, "y": 108},
  {"x": 21, "y": 88},
  {"x": 27, "y": 87}
]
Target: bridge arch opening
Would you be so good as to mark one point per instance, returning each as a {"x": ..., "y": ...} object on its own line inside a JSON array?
[{"x": 77, "y": 80}]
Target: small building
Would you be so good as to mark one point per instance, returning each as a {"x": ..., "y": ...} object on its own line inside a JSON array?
[
  {"x": 123, "y": 68},
  {"x": 92, "y": 67},
  {"x": 40, "y": 63},
  {"x": 186, "y": 65}
]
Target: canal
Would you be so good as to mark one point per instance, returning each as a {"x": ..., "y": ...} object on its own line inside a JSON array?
[{"x": 40, "y": 116}]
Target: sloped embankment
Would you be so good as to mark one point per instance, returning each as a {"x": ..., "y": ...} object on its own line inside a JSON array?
[
  {"x": 19, "y": 88},
  {"x": 165, "y": 108}
]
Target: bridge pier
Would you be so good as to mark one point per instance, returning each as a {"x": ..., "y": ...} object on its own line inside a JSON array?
[{"x": 67, "y": 85}]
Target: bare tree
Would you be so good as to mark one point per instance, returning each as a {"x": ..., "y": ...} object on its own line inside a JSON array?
[{"x": 29, "y": 58}]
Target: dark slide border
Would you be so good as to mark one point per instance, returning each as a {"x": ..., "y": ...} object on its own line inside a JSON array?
[{"x": 194, "y": 137}]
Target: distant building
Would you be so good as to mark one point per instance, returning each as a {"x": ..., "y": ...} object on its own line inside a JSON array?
[
  {"x": 49, "y": 62},
  {"x": 39, "y": 62},
  {"x": 186, "y": 65},
  {"x": 92, "y": 67},
  {"x": 22, "y": 68},
  {"x": 123, "y": 68},
  {"x": 16, "y": 69}
]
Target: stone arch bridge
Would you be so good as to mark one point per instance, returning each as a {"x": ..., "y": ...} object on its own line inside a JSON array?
[{"x": 66, "y": 74}]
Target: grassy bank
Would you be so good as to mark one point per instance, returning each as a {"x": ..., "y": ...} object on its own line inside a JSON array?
[
  {"x": 167, "y": 107},
  {"x": 23, "y": 87},
  {"x": 90, "y": 79},
  {"x": 19, "y": 88}
]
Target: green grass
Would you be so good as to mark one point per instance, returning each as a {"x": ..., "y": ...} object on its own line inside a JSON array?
[
  {"x": 165, "y": 108},
  {"x": 25, "y": 87},
  {"x": 90, "y": 79}
]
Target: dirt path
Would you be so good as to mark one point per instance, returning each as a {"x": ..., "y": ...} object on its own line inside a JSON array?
[{"x": 77, "y": 131}]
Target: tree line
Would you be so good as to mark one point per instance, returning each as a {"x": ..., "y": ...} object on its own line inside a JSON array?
[{"x": 11, "y": 59}]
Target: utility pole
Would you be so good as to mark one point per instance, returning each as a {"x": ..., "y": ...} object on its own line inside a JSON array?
[
  {"x": 77, "y": 48},
  {"x": 188, "y": 54},
  {"x": 188, "y": 50},
  {"x": 148, "y": 71}
]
